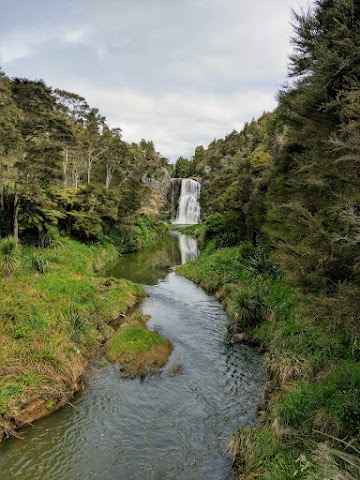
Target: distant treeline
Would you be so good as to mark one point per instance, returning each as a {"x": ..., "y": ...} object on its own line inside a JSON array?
[{"x": 63, "y": 169}]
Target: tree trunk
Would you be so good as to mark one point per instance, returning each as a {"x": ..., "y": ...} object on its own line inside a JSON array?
[
  {"x": 109, "y": 175},
  {"x": 89, "y": 169},
  {"x": 65, "y": 165},
  {"x": 16, "y": 216},
  {"x": 75, "y": 176}
]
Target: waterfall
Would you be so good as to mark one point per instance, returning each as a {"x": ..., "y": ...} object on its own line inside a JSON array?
[{"x": 188, "y": 212}]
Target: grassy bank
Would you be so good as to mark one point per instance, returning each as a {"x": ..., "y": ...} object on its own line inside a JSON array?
[
  {"x": 309, "y": 428},
  {"x": 54, "y": 315},
  {"x": 138, "y": 350}
]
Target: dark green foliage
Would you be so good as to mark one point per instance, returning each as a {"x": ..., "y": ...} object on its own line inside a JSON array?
[
  {"x": 289, "y": 183},
  {"x": 63, "y": 168},
  {"x": 217, "y": 228},
  {"x": 260, "y": 264},
  {"x": 214, "y": 226},
  {"x": 247, "y": 309}
]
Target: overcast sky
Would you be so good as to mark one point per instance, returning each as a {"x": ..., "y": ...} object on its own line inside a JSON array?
[{"x": 178, "y": 72}]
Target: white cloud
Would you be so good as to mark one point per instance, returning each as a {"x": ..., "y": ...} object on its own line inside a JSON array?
[
  {"x": 179, "y": 73},
  {"x": 21, "y": 45},
  {"x": 177, "y": 122},
  {"x": 75, "y": 36}
]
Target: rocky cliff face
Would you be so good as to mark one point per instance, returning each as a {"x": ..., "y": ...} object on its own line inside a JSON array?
[{"x": 156, "y": 203}]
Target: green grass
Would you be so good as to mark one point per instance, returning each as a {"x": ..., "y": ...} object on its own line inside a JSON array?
[
  {"x": 130, "y": 341},
  {"x": 137, "y": 348},
  {"x": 17, "y": 388},
  {"x": 52, "y": 322},
  {"x": 331, "y": 405}
]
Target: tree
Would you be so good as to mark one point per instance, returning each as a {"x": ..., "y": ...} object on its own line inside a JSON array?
[
  {"x": 11, "y": 149},
  {"x": 74, "y": 109},
  {"x": 308, "y": 188},
  {"x": 183, "y": 168},
  {"x": 90, "y": 139}
]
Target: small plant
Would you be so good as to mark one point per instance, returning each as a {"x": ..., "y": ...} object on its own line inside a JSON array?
[
  {"x": 245, "y": 250},
  {"x": 9, "y": 255},
  {"x": 39, "y": 263},
  {"x": 52, "y": 404},
  {"x": 259, "y": 264},
  {"x": 247, "y": 309},
  {"x": 102, "y": 363},
  {"x": 76, "y": 320},
  {"x": 79, "y": 325}
]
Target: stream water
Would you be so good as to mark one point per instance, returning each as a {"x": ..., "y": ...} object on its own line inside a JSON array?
[{"x": 166, "y": 426}]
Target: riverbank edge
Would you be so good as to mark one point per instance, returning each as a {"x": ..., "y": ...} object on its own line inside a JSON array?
[
  {"x": 308, "y": 368},
  {"x": 210, "y": 285},
  {"x": 33, "y": 403}
]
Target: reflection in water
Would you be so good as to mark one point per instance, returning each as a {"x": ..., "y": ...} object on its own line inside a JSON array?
[
  {"x": 171, "y": 427},
  {"x": 154, "y": 262},
  {"x": 149, "y": 265},
  {"x": 188, "y": 247}
]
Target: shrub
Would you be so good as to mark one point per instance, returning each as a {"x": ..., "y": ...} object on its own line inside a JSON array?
[
  {"x": 214, "y": 225},
  {"x": 259, "y": 264},
  {"x": 245, "y": 250},
  {"x": 247, "y": 308},
  {"x": 9, "y": 256},
  {"x": 39, "y": 263}
]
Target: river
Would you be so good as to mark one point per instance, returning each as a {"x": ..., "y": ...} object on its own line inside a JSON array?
[{"x": 166, "y": 426}]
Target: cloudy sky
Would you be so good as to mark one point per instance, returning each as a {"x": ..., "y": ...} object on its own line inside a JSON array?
[{"x": 178, "y": 72}]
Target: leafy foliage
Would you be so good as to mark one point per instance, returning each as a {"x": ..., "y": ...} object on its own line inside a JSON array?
[
  {"x": 247, "y": 309},
  {"x": 63, "y": 168}
]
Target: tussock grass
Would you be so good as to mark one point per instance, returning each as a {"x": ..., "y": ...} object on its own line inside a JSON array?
[
  {"x": 9, "y": 256},
  {"x": 50, "y": 324},
  {"x": 331, "y": 405},
  {"x": 137, "y": 349},
  {"x": 338, "y": 464},
  {"x": 247, "y": 309}
]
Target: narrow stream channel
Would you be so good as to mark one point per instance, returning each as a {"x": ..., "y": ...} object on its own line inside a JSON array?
[{"x": 166, "y": 426}]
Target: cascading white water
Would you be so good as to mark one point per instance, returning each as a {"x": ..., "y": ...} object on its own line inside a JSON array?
[{"x": 188, "y": 212}]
